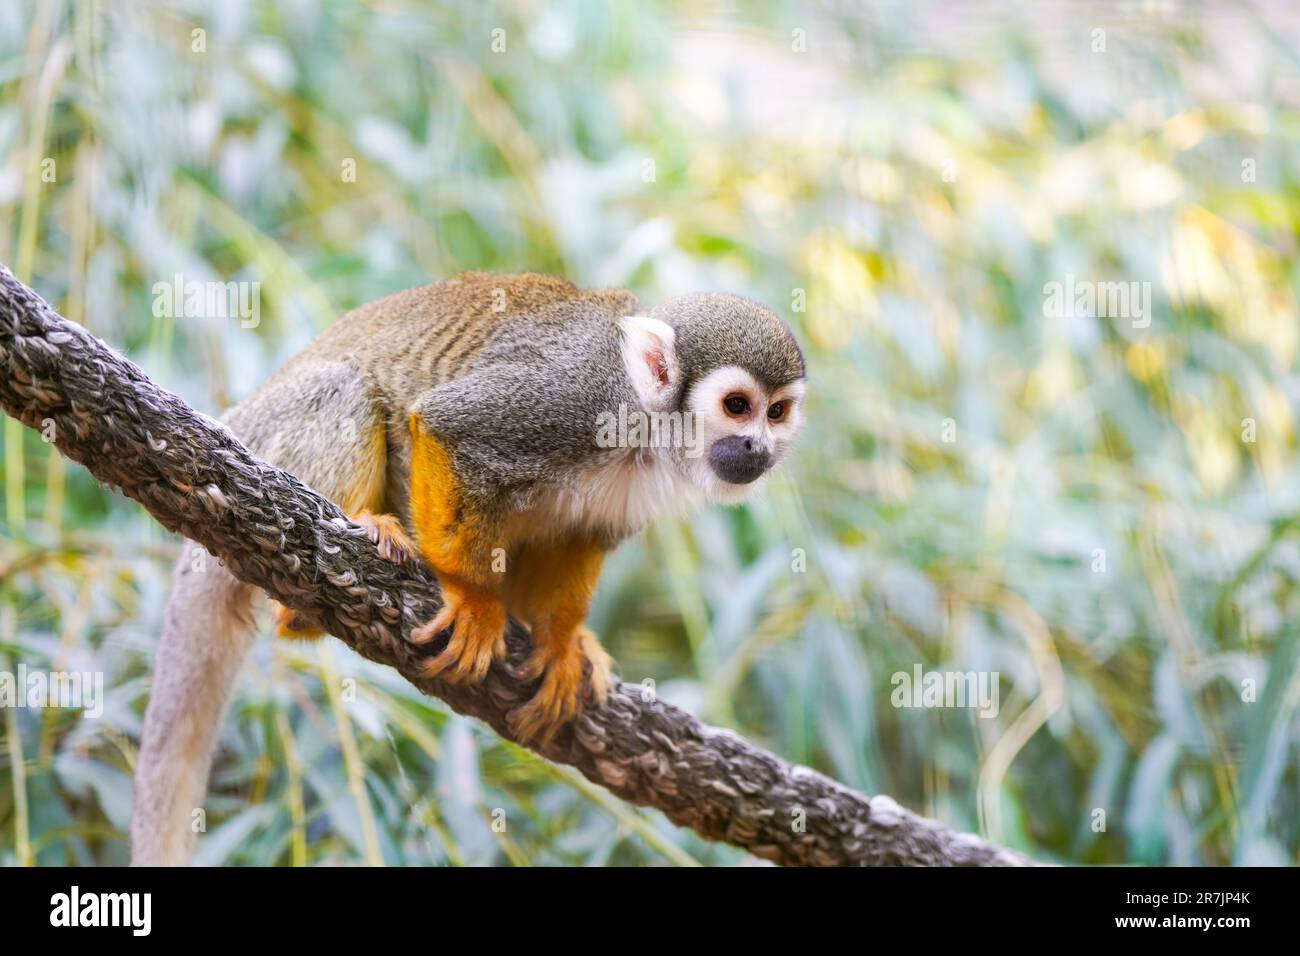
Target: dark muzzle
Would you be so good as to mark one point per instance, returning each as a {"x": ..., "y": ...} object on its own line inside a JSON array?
[{"x": 738, "y": 459}]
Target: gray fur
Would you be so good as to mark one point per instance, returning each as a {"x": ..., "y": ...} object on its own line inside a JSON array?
[
  {"x": 207, "y": 632},
  {"x": 519, "y": 410},
  {"x": 525, "y": 411},
  {"x": 293, "y": 419},
  {"x": 715, "y": 329},
  {"x": 524, "y": 416}
]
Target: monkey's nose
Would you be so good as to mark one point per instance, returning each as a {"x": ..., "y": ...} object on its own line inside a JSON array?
[{"x": 739, "y": 459}]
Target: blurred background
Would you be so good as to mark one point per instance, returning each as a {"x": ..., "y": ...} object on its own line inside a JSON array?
[{"x": 1105, "y": 514}]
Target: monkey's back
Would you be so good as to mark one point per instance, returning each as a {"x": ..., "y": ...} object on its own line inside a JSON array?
[
  {"x": 416, "y": 339},
  {"x": 347, "y": 396}
]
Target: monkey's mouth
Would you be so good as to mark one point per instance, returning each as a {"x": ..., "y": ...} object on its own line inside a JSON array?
[{"x": 739, "y": 460}]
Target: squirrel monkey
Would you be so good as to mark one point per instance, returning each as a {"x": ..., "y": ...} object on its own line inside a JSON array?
[{"x": 509, "y": 431}]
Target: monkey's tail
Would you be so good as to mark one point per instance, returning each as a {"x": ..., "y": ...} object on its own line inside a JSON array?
[{"x": 207, "y": 631}]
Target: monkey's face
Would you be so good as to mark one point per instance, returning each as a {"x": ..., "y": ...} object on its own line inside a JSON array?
[
  {"x": 742, "y": 430},
  {"x": 732, "y": 371}
]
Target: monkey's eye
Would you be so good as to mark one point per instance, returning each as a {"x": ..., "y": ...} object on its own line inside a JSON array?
[
  {"x": 736, "y": 404},
  {"x": 776, "y": 411}
]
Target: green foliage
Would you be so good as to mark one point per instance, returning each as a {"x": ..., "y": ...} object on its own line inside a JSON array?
[{"x": 1101, "y": 512}]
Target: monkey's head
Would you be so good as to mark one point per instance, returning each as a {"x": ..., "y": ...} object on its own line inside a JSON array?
[{"x": 733, "y": 370}]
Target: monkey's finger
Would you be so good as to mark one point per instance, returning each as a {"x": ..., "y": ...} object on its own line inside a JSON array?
[
  {"x": 556, "y": 702},
  {"x": 541, "y": 718},
  {"x": 388, "y": 535},
  {"x": 472, "y": 648},
  {"x": 444, "y": 619}
]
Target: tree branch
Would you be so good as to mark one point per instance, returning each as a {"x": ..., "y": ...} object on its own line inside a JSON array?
[{"x": 272, "y": 531}]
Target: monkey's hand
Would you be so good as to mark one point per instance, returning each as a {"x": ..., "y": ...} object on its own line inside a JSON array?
[
  {"x": 388, "y": 535},
  {"x": 478, "y": 637},
  {"x": 566, "y": 664}
]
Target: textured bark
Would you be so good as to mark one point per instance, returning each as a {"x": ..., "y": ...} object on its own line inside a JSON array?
[{"x": 272, "y": 531}]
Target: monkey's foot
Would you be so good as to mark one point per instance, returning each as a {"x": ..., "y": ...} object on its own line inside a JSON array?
[
  {"x": 389, "y": 536},
  {"x": 478, "y": 637},
  {"x": 289, "y": 624},
  {"x": 565, "y": 665}
]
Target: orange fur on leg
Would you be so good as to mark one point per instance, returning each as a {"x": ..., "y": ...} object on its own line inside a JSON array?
[
  {"x": 552, "y": 590},
  {"x": 457, "y": 544}
]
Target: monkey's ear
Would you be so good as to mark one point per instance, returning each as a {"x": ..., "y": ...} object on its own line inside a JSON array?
[{"x": 650, "y": 356}]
